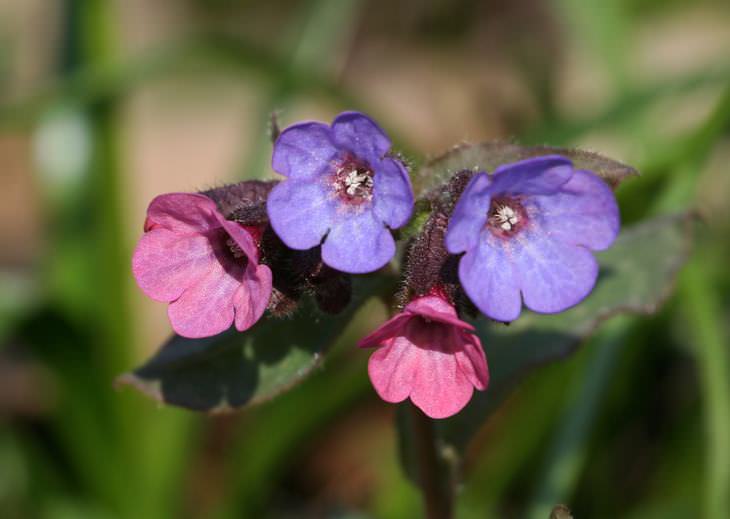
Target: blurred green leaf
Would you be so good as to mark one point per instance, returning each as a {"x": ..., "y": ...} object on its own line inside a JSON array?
[
  {"x": 232, "y": 370},
  {"x": 636, "y": 276},
  {"x": 487, "y": 156}
]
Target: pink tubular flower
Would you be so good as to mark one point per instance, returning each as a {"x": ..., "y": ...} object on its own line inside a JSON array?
[
  {"x": 205, "y": 266},
  {"x": 428, "y": 354}
]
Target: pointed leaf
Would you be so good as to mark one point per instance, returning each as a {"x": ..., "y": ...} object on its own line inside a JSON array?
[{"x": 487, "y": 156}]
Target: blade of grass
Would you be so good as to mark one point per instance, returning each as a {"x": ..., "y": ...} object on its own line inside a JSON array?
[
  {"x": 701, "y": 306},
  {"x": 567, "y": 451}
]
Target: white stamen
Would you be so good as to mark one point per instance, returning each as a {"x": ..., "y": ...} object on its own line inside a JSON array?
[
  {"x": 355, "y": 181},
  {"x": 506, "y": 217}
]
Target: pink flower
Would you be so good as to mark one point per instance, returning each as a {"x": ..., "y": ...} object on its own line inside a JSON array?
[
  {"x": 428, "y": 354},
  {"x": 205, "y": 266}
]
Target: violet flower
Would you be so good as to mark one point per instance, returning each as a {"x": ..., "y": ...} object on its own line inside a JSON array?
[
  {"x": 428, "y": 354},
  {"x": 529, "y": 229},
  {"x": 205, "y": 266},
  {"x": 342, "y": 191}
]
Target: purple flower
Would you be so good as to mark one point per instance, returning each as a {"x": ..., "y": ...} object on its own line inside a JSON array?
[
  {"x": 529, "y": 229},
  {"x": 341, "y": 188}
]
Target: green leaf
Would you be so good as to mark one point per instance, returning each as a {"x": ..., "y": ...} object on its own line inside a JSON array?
[
  {"x": 232, "y": 370},
  {"x": 636, "y": 276},
  {"x": 487, "y": 156}
]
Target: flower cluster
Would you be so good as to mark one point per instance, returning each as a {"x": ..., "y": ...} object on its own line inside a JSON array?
[{"x": 490, "y": 241}]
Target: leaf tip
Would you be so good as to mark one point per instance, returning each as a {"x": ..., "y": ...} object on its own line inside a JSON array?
[{"x": 150, "y": 388}]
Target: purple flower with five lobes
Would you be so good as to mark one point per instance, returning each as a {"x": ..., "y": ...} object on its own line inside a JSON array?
[
  {"x": 342, "y": 191},
  {"x": 530, "y": 229}
]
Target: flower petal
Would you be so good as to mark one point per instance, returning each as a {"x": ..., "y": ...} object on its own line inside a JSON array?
[
  {"x": 469, "y": 216},
  {"x": 583, "y": 212},
  {"x": 437, "y": 309},
  {"x": 357, "y": 244},
  {"x": 538, "y": 176},
  {"x": 361, "y": 135},
  {"x": 242, "y": 238},
  {"x": 206, "y": 308},
  {"x": 392, "y": 369},
  {"x": 472, "y": 361},
  {"x": 438, "y": 386},
  {"x": 554, "y": 276},
  {"x": 182, "y": 213},
  {"x": 488, "y": 275},
  {"x": 388, "y": 330},
  {"x": 303, "y": 150},
  {"x": 165, "y": 262},
  {"x": 252, "y": 297},
  {"x": 393, "y": 195},
  {"x": 300, "y": 213}
]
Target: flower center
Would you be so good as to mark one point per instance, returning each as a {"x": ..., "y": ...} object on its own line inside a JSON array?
[
  {"x": 235, "y": 248},
  {"x": 506, "y": 216},
  {"x": 353, "y": 181}
]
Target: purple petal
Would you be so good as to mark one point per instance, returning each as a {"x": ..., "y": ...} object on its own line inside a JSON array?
[
  {"x": 361, "y": 135},
  {"x": 358, "y": 244},
  {"x": 583, "y": 212},
  {"x": 490, "y": 279},
  {"x": 182, "y": 213},
  {"x": 393, "y": 195},
  {"x": 554, "y": 276},
  {"x": 165, "y": 263},
  {"x": 206, "y": 308},
  {"x": 300, "y": 213},
  {"x": 469, "y": 216},
  {"x": 538, "y": 176},
  {"x": 303, "y": 150}
]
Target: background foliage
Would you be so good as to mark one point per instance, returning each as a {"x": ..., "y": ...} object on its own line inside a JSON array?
[{"x": 104, "y": 104}]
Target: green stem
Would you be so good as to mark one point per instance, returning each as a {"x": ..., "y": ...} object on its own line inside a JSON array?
[{"x": 437, "y": 496}]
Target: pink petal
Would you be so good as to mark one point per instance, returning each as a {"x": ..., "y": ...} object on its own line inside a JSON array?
[
  {"x": 441, "y": 389},
  {"x": 437, "y": 309},
  {"x": 472, "y": 361},
  {"x": 241, "y": 236},
  {"x": 423, "y": 364},
  {"x": 387, "y": 330},
  {"x": 252, "y": 297},
  {"x": 206, "y": 308},
  {"x": 165, "y": 263},
  {"x": 183, "y": 213},
  {"x": 392, "y": 369}
]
